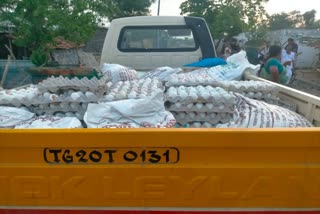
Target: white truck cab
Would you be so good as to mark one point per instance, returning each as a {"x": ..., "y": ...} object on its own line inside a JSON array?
[{"x": 148, "y": 42}]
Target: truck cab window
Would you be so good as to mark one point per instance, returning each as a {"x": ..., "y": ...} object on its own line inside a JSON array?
[{"x": 159, "y": 38}]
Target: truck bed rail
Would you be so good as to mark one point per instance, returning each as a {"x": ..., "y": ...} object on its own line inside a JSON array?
[{"x": 306, "y": 104}]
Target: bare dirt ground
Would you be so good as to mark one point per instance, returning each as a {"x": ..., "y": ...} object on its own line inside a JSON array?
[{"x": 307, "y": 81}]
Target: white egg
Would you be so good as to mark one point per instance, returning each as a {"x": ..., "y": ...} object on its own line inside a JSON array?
[
  {"x": 90, "y": 95},
  {"x": 177, "y": 105},
  {"x": 207, "y": 125},
  {"x": 59, "y": 115},
  {"x": 78, "y": 115},
  {"x": 202, "y": 115},
  {"x": 70, "y": 114},
  {"x": 209, "y": 106},
  {"x": 46, "y": 95},
  {"x": 213, "y": 115},
  {"x": 84, "y": 106},
  {"x": 194, "y": 96},
  {"x": 74, "y": 106},
  {"x": 192, "y": 115},
  {"x": 142, "y": 96},
  {"x": 199, "y": 106},
  {"x": 181, "y": 115},
  {"x": 76, "y": 96},
  {"x": 132, "y": 95},
  {"x": 190, "y": 106},
  {"x": 64, "y": 105},
  {"x": 197, "y": 125},
  {"x": 183, "y": 95},
  {"x": 109, "y": 97}
]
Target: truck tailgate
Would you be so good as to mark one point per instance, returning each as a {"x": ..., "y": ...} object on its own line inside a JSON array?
[{"x": 160, "y": 170}]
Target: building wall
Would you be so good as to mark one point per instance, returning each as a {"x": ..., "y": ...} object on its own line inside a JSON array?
[{"x": 308, "y": 56}]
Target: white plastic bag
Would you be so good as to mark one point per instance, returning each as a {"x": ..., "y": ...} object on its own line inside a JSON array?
[
  {"x": 240, "y": 59},
  {"x": 162, "y": 73},
  {"x": 43, "y": 122},
  {"x": 135, "y": 113},
  {"x": 117, "y": 73},
  {"x": 11, "y": 116}
]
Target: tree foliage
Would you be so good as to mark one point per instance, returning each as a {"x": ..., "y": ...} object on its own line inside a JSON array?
[
  {"x": 227, "y": 17},
  {"x": 38, "y": 22},
  {"x": 126, "y": 8},
  {"x": 282, "y": 20},
  {"x": 294, "y": 19},
  {"x": 309, "y": 18}
]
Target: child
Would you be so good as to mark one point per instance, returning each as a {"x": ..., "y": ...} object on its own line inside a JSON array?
[{"x": 288, "y": 56}]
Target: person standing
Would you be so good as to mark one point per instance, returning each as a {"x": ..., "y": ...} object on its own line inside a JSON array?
[
  {"x": 294, "y": 45},
  {"x": 235, "y": 48},
  {"x": 273, "y": 70},
  {"x": 226, "y": 49},
  {"x": 263, "y": 52},
  {"x": 288, "y": 56}
]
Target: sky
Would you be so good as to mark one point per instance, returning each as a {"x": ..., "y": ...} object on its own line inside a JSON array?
[{"x": 171, "y": 7}]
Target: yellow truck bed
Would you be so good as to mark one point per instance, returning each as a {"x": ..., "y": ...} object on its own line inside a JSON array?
[{"x": 160, "y": 170}]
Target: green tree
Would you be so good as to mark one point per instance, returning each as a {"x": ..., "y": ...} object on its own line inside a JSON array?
[
  {"x": 294, "y": 19},
  {"x": 309, "y": 18},
  {"x": 229, "y": 17},
  {"x": 227, "y": 22},
  {"x": 126, "y": 8},
  {"x": 281, "y": 21},
  {"x": 38, "y": 22}
]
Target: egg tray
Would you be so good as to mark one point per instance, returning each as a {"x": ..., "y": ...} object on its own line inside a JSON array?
[
  {"x": 249, "y": 86},
  {"x": 61, "y": 107},
  {"x": 213, "y": 118},
  {"x": 133, "y": 89},
  {"x": 79, "y": 114},
  {"x": 32, "y": 96},
  {"x": 191, "y": 79},
  {"x": 268, "y": 98},
  {"x": 196, "y": 125},
  {"x": 199, "y": 107},
  {"x": 55, "y": 84},
  {"x": 200, "y": 94}
]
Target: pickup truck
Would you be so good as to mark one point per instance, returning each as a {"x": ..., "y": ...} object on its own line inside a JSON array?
[{"x": 199, "y": 170}]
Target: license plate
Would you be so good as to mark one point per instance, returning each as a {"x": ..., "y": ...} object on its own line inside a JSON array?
[{"x": 157, "y": 155}]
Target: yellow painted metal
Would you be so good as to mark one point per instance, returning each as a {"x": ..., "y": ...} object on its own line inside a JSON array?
[{"x": 207, "y": 168}]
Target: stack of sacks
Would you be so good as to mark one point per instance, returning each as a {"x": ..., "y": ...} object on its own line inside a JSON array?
[
  {"x": 251, "y": 113},
  {"x": 200, "y": 106},
  {"x": 59, "y": 96},
  {"x": 134, "y": 89}
]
